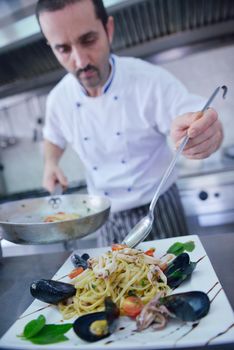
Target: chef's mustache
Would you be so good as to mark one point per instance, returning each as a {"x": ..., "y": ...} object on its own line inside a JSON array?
[{"x": 86, "y": 69}]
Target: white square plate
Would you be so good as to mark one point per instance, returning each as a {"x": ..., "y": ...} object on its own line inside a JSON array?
[{"x": 215, "y": 328}]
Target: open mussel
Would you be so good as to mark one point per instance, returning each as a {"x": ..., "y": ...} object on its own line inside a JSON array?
[
  {"x": 189, "y": 306},
  {"x": 80, "y": 261},
  {"x": 51, "y": 291},
  {"x": 97, "y": 325},
  {"x": 179, "y": 270}
]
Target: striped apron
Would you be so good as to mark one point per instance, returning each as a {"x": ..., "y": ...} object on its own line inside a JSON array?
[{"x": 169, "y": 220}]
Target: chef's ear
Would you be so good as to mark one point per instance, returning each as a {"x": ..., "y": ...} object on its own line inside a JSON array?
[{"x": 110, "y": 28}]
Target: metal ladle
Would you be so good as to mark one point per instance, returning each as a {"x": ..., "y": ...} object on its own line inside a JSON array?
[{"x": 141, "y": 230}]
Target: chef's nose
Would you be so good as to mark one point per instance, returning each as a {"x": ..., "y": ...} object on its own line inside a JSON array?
[{"x": 80, "y": 58}]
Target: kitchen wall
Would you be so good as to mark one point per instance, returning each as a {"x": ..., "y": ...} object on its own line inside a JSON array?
[{"x": 201, "y": 73}]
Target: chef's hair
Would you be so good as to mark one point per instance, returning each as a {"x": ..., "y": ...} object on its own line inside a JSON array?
[{"x": 54, "y": 5}]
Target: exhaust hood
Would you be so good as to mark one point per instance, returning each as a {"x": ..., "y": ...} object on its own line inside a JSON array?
[
  {"x": 143, "y": 27},
  {"x": 18, "y": 31}
]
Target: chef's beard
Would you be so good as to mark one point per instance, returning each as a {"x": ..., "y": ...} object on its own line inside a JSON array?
[{"x": 86, "y": 82}]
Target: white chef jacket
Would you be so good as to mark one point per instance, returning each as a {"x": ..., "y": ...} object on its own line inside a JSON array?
[{"x": 120, "y": 136}]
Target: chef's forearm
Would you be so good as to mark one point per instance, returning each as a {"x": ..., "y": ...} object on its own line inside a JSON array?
[{"x": 52, "y": 153}]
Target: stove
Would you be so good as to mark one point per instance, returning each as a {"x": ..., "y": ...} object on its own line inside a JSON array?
[{"x": 207, "y": 195}]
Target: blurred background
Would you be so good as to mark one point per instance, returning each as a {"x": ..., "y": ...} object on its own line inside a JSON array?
[{"x": 193, "y": 39}]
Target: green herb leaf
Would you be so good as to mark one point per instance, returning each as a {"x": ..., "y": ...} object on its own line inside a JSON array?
[
  {"x": 189, "y": 246},
  {"x": 49, "y": 339},
  {"x": 177, "y": 248},
  {"x": 143, "y": 283},
  {"x": 55, "y": 329},
  {"x": 34, "y": 326},
  {"x": 37, "y": 332}
]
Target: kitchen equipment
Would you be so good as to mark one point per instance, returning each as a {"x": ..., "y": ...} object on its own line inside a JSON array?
[
  {"x": 141, "y": 230},
  {"x": 22, "y": 221},
  {"x": 208, "y": 201}
]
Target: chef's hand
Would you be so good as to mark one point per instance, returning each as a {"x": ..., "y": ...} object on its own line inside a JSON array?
[
  {"x": 204, "y": 130},
  {"x": 53, "y": 175}
]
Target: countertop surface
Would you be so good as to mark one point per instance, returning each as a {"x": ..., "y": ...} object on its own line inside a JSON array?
[{"x": 17, "y": 273}]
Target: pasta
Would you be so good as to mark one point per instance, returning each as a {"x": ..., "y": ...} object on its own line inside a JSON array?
[{"x": 117, "y": 274}]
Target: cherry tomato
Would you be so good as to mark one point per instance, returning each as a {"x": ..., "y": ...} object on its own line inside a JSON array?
[
  {"x": 132, "y": 306},
  {"x": 150, "y": 252}
]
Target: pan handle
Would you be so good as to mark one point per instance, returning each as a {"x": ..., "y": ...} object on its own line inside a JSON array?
[
  {"x": 55, "y": 202},
  {"x": 55, "y": 199}
]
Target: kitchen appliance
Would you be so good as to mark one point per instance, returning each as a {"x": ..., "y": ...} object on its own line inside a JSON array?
[
  {"x": 208, "y": 201},
  {"x": 22, "y": 221}
]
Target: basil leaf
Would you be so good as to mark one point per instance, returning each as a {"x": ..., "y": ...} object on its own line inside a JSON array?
[
  {"x": 37, "y": 332},
  {"x": 189, "y": 246},
  {"x": 49, "y": 339},
  {"x": 177, "y": 248},
  {"x": 34, "y": 326},
  {"x": 51, "y": 333},
  {"x": 54, "y": 329}
]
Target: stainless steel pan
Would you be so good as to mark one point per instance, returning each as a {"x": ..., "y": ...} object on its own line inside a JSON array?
[{"x": 22, "y": 221}]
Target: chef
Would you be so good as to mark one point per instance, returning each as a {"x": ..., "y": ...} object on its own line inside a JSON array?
[{"x": 116, "y": 113}]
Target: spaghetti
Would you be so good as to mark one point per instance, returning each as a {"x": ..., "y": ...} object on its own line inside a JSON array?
[{"x": 117, "y": 274}]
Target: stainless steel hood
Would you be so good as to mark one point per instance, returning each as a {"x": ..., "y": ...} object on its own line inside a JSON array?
[{"x": 143, "y": 27}]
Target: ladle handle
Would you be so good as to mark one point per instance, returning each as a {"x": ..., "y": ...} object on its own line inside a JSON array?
[{"x": 179, "y": 151}]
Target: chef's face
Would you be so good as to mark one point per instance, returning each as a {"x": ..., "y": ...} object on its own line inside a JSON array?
[{"x": 80, "y": 42}]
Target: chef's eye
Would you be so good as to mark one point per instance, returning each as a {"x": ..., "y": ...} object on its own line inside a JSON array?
[
  {"x": 63, "y": 49},
  {"x": 89, "y": 39}
]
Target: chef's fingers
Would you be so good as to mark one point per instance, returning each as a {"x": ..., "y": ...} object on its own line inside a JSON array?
[
  {"x": 202, "y": 123},
  {"x": 207, "y": 134},
  {"x": 203, "y": 150},
  {"x": 62, "y": 179},
  {"x": 181, "y": 124},
  {"x": 207, "y": 145}
]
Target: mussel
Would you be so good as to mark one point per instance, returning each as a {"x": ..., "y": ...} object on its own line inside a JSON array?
[
  {"x": 189, "y": 306},
  {"x": 179, "y": 270},
  {"x": 80, "y": 261},
  {"x": 97, "y": 325},
  {"x": 51, "y": 292}
]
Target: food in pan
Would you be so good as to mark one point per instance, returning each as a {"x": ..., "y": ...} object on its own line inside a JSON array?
[{"x": 61, "y": 216}]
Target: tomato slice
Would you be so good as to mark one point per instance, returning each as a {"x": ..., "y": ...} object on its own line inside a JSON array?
[
  {"x": 150, "y": 252},
  {"x": 132, "y": 306},
  {"x": 117, "y": 246},
  {"x": 76, "y": 272}
]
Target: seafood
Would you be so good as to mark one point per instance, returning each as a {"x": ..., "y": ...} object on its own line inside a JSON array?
[
  {"x": 52, "y": 292},
  {"x": 188, "y": 307},
  {"x": 80, "y": 261},
  {"x": 97, "y": 325},
  {"x": 179, "y": 269}
]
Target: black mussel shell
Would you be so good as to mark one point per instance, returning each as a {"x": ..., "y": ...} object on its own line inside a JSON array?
[
  {"x": 85, "y": 256},
  {"x": 51, "y": 292},
  {"x": 179, "y": 270},
  {"x": 188, "y": 307},
  {"x": 80, "y": 261},
  {"x": 98, "y": 325}
]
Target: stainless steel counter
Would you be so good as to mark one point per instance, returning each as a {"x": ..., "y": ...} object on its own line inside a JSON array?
[{"x": 16, "y": 274}]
